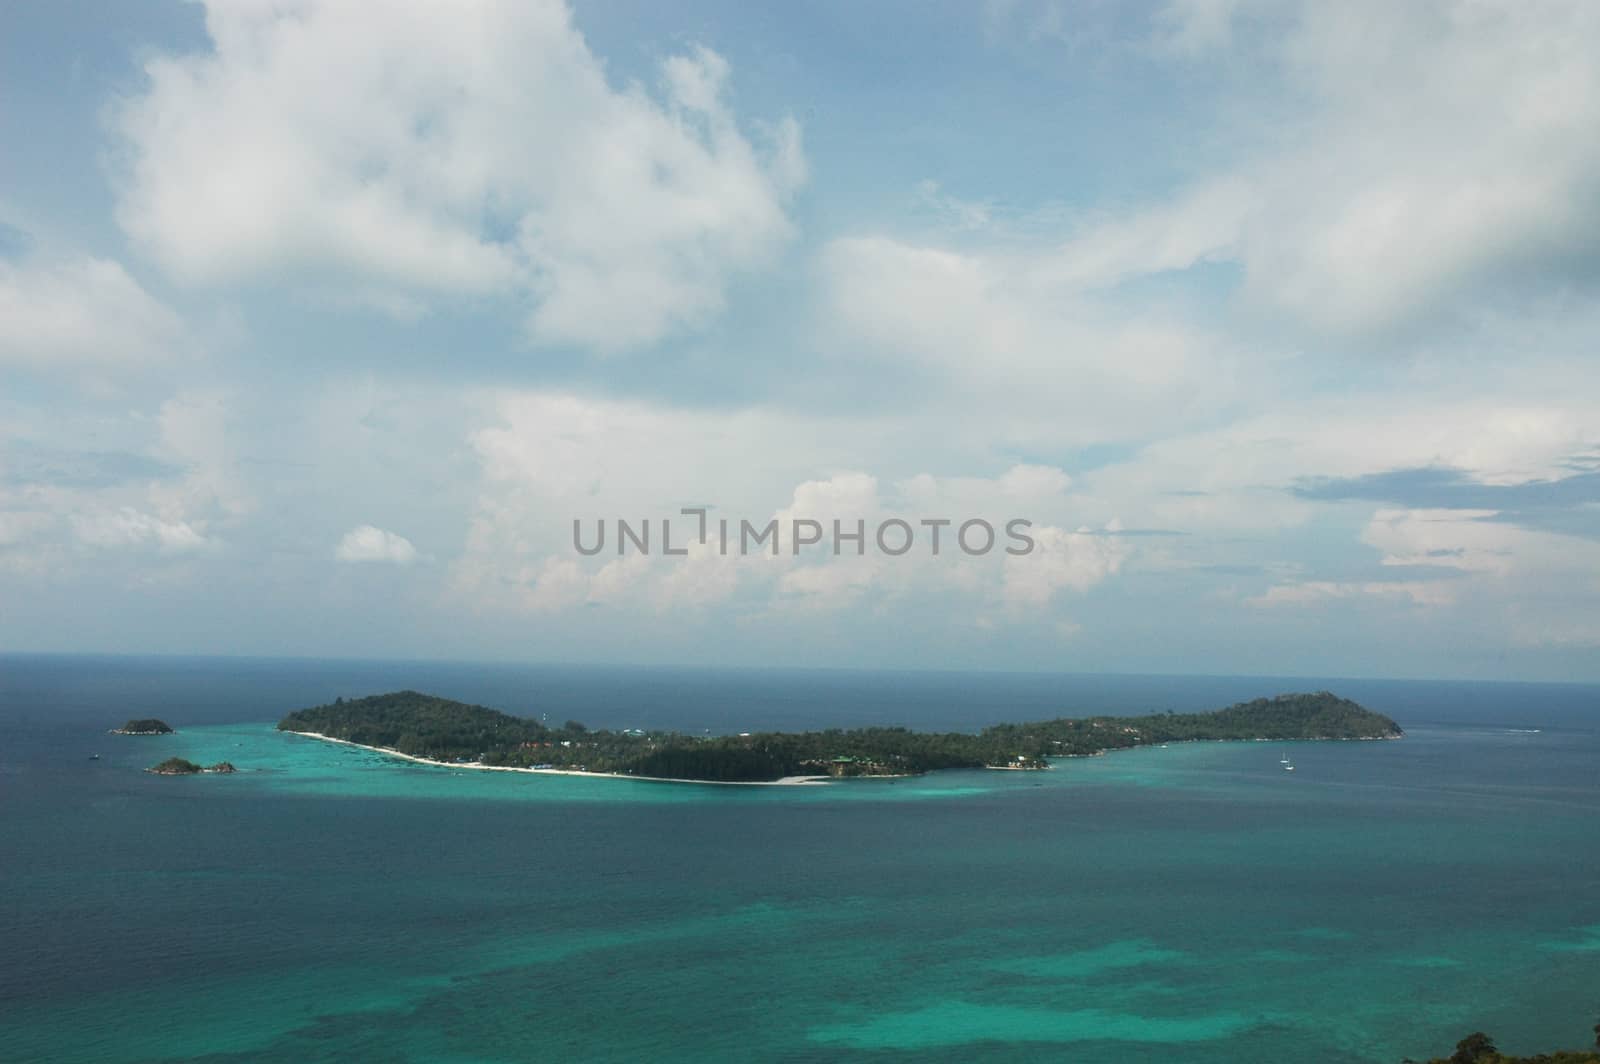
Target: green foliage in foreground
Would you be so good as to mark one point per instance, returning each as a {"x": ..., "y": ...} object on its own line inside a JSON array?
[
  {"x": 442, "y": 730},
  {"x": 1479, "y": 1048}
]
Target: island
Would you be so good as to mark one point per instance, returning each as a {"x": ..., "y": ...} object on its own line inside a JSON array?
[
  {"x": 177, "y": 766},
  {"x": 144, "y": 726},
  {"x": 435, "y": 730}
]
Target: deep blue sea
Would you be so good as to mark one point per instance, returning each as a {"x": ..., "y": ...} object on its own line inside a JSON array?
[{"x": 1188, "y": 903}]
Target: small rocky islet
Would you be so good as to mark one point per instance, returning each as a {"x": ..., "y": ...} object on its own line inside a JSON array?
[
  {"x": 178, "y": 766},
  {"x": 144, "y": 726}
]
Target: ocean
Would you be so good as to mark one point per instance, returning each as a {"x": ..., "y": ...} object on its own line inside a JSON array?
[{"x": 1187, "y": 903}]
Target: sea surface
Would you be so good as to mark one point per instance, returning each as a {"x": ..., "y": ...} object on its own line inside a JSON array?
[{"x": 1188, "y": 903}]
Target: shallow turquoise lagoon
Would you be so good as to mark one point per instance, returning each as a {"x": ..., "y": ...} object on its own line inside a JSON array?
[{"x": 1190, "y": 903}]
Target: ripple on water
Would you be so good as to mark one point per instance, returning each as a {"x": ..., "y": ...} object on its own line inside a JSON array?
[{"x": 951, "y": 1023}]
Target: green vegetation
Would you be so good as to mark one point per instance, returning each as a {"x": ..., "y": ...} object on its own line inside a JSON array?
[
  {"x": 1287, "y": 717},
  {"x": 177, "y": 766},
  {"x": 441, "y": 730},
  {"x": 1479, "y": 1048},
  {"x": 144, "y": 726}
]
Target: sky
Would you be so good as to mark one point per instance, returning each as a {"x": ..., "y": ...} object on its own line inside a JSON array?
[{"x": 1276, "y": 320}]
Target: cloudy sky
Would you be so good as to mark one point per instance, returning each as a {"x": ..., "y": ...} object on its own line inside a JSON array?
[{"x": 1278, "y": 320}]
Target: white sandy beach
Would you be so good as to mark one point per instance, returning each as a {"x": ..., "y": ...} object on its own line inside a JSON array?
[{"x": 787, "y": 781}]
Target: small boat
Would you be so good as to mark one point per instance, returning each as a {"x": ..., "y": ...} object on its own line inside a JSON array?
[
  {"x": 1284, "y": 760},
  {"x": 94, "y": 757},
  {"x": 1288, "y": 768}
]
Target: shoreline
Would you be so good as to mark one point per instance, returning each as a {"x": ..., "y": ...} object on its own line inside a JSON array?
[
  {"x": 786, "y": 781},
  {"x": 789, "y": 781}
]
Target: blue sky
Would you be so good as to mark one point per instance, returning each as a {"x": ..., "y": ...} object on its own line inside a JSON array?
[{"x": 317, "y": 331}]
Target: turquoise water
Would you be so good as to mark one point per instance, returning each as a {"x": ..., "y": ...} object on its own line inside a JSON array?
[{"x": 1189, "y": 903}]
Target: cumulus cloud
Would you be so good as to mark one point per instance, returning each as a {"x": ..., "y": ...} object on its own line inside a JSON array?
[
  {"x": 546, "y": 459},
  {"x": 831, "y": 585},
  {"x": 84, "y": 312},
  {"x": 971, "y": 324},
  {"x": 1063, "y": 560},
  {"x": 196, "y": 437},
  {"x": 168, "y": 493},
  {"x": 19, "y": 526},
  {"x": 844, "y": 497},
  {"x": 1434, "y": 146},
  {"x": 1445, "y": 539},
  {"x": 1251, "y": 473},
  {"x": 1034, "y": 481},
  {"x": 128, "y": 527},
  {"x": 368, "y": 544},
  {"x": 453, "y": 152},
  {"x": 1464, "y": 144},
  {"x": 559, "y": 583}
]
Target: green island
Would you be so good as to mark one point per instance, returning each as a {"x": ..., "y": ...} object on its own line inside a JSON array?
[
  {"x": 177, "y": 766},
  {"x": 1479, "y": 1048},
  {"x": 429, "y": 728},
  {"x": 144, "y": 726}
]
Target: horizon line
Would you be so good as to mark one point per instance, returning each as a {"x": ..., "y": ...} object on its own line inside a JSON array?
[{"x": 504, "y": 663}]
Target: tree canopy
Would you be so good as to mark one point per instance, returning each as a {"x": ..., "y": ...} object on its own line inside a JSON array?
[
  {"x": 439, "y": 729},
  {"x": 145, "y": 726}
]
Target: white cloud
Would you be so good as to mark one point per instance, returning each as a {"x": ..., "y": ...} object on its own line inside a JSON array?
[
  {"x": 1204, "y": 225},
  {"x": 1313, "y": 592},
  {"x": 78, "y": 313},
  {"x": 991, "y": 332},
  {"x": 1063, "y": 560},
  {"x": 127, "y": 527},
  {"x": 546, "y": 459},
  {"x": 1433, "y": 146},
  {"x": 164, "y": 491},
  {"x": 1383, "y": 161},
  {"x": 32, "y": 543},
  {"x": 1034, "y": 481},
  {"x": 831, "y": 585},
  {"x": 369, "y": 544},
  {"x": 1446, "y": 539},
  {"x": 20, "y": 526},
  {"x": 618, "y": 579},
  {"x": 1190, "y": 27},
  {"x": 701, "y": 578},
  {"x": 844, "y": 497},
  {"x": 558, "y": 584},
  {"x": 457, "y": 151},
  {"x": 1234, "y": 478},
  {"x": 196, "y": 437},
  {"x": 955, "y": 212}
]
